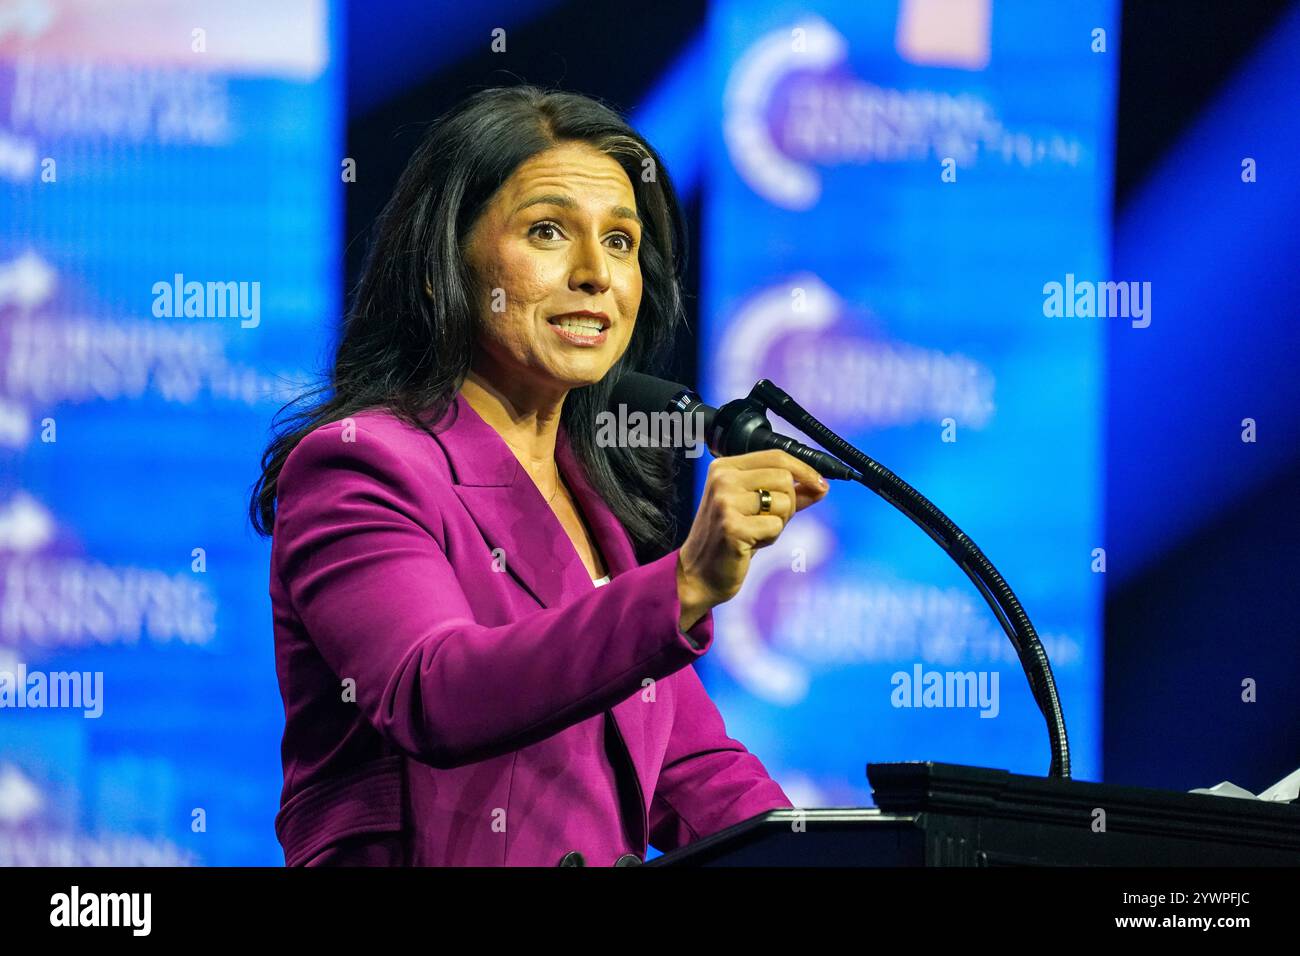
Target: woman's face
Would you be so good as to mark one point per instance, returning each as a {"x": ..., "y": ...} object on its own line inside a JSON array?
[{"x": 560, "y": 236}]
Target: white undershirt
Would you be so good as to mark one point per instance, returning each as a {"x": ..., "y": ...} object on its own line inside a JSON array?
[{"x": 599, "y": 581}]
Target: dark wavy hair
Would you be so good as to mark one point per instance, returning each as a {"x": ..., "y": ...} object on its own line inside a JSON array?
[{"x": 407, "y": 339}]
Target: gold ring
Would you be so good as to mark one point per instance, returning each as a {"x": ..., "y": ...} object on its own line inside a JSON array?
[{"x": 764, "y": 501}]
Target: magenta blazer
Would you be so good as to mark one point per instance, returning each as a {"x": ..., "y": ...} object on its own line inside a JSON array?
[{"x": 456, "y": 689}]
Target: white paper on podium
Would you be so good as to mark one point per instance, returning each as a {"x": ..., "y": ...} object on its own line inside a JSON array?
[{"x": 1284, "y": 791}]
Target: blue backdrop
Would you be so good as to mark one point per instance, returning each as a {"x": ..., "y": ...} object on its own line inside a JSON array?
[
  {"x": 888, "y": 191},
  {"x": 138, "y": 150}
]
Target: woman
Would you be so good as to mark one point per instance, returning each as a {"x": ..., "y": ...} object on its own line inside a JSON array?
[{"x": 483, "y": 635}]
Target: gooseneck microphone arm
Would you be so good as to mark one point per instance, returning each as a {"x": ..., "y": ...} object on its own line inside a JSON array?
[
  {"x": 741, "y": 426},
  {"x": 955, "y": 543}
]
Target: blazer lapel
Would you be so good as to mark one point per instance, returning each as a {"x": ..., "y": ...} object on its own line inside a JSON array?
[
  {"x": 512, "y": 515},
  {"x": 629, "y": 715}
]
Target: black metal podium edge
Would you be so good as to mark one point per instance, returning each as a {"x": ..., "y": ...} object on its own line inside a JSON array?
[{"x": 932, "y": 787}]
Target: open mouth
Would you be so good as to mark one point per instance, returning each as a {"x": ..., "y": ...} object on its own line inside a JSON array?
[
  {"x": 579, "y": 325},
  {"x": 581, "y": 328}
]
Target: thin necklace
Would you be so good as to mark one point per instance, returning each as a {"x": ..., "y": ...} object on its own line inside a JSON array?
[
  {"x": 557, "y": 485},
  {"x": 557, "y": 470}
]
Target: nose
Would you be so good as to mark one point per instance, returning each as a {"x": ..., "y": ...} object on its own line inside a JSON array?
[{"x": 590, "y": 270}]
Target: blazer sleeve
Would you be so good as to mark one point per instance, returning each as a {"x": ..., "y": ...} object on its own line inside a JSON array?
[
  {"x": 357, "y": 546},
  {"x": 708, "y": 781}
]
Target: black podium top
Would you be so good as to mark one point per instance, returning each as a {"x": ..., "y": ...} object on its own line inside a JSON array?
[{"x": 936, "y": 814}]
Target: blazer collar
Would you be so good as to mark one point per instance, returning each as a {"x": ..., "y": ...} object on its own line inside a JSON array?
[{"x": 513, "y": 516}]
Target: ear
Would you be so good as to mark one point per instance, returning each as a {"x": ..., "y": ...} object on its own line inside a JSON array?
[{"x": 428, "y": 289}]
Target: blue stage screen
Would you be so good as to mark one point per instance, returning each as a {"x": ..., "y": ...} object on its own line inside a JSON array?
[
  {"x": 170, "y": 225},
  {"x": 889, "y": 190}
]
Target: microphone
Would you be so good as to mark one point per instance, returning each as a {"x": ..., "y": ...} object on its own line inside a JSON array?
[{"x": 738, "y": 427}]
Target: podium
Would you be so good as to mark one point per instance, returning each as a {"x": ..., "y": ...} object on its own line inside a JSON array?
[{"x": 937, "y": 814}]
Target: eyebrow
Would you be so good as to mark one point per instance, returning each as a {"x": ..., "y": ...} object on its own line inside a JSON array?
[{"x": 567, "y": 202}]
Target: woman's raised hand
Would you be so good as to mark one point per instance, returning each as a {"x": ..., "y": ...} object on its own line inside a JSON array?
[{"x": 728, "y": 527}]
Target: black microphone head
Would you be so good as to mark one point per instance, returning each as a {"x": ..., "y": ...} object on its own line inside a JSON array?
[
  {"x": 662, "y": 402},
  {"x": 646, "y": 393}
]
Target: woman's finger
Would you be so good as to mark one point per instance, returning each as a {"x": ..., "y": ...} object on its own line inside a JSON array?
[{"x": 749, "y": 503}]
